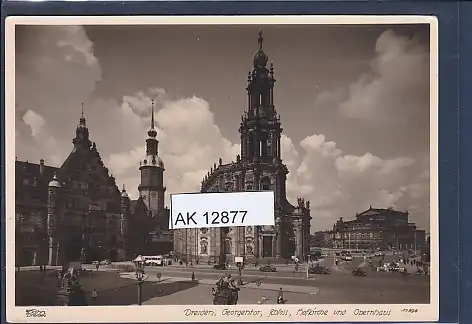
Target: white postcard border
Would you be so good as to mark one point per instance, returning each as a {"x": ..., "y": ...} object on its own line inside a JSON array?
[{"x": 176, "y": 313}]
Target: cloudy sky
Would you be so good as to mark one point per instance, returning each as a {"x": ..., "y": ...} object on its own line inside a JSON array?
[{"x": 354, "y": 103}]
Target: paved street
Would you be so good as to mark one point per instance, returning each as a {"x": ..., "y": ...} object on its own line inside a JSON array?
[{"x": 175, "y": 286}]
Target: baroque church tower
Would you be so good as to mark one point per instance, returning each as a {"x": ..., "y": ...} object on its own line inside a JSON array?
[
  {"x": 260, "y": 128},
  {"x": 258, "y": 167},
  {"x": 151, "y": 188}
]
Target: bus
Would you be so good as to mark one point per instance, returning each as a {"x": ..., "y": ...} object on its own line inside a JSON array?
[{"x": 153, "y": 260}]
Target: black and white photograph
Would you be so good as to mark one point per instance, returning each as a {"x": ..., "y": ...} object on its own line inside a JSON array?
[{"x": 107, "y": 120}]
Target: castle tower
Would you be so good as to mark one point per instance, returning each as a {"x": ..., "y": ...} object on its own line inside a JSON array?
[
  {"x": 260, "y": 127},
  {"x": 53, "y": 220},
  {"x": 82, "y": 140},
  {"x": 151, "y": 188}
]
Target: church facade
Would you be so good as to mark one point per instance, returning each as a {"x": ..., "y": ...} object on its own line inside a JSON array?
[
  {"x": 259, "y": 166},
  {"x": 76, "y": 211}
]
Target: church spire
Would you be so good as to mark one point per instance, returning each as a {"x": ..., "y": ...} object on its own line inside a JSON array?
[
  {"x": 260, "y": 39},
  {"x": 152, "y": 114},
  {"x": 152, "y": 131},
  {"x": 152, "y": 142},
  {"x": 81, "y": 139},
  {"x": 260, "y": 59},
  {"x": 82, "y": 123}
]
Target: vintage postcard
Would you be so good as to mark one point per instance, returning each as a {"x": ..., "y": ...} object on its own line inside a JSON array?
[{"x": 208, "y": 169}]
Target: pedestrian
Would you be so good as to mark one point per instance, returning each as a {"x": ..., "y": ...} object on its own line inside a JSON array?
[
  {"x": 94, "y": 296},
  {"x": 59, "y": 280},
  {"x": 280, "y": 298}
]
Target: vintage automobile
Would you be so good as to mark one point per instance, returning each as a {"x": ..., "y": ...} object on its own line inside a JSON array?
[
  {"x": 268, "y": 268},
  {"x": 220, "y": 266},
  {"x": 346, "y": 257}
]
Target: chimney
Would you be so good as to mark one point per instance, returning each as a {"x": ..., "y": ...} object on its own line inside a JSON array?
[{"x": 41, "y": 167}]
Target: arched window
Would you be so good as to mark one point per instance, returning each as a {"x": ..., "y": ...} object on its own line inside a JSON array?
[
  {"x": 265, "y": 183},
  {"x": 203, "y": 246},
  {"x": 228, "y": 246}
]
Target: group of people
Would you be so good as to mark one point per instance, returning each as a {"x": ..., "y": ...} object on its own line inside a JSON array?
[
  {"x": 228, "y": 285},
  {"x": 227, "y": 289},
  {"x": 226, "y": 282}
]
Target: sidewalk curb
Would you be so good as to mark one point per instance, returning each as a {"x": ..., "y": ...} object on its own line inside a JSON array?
[{"x": 249, "y": 285}]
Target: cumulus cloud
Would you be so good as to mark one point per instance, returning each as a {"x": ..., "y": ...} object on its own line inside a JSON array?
[
  {"x": 56, "y": 71},
  {"x": 341, "y": 185},
  {"x": 389, "y": 100},
  {"x": 190, "y": 141},
  {"x": 396, "y": 87},
  {"x": 34, "y": 121}
]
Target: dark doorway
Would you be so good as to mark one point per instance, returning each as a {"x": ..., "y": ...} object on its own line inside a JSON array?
[
  {"x": 113, "y": 255},
  {"x": 27, "y": 257},
  {"x": 291, "y": 247},
  {"x": 266, "y": 246},
  {"x": 225, "y": 246},
  {"x": 73, "y": 247}
]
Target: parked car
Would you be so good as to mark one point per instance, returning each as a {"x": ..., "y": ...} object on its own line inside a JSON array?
[
  {"x": 346, "y": 257},
  {"x": 107, "y": 261},
  {"x": 268, "y": 268}
]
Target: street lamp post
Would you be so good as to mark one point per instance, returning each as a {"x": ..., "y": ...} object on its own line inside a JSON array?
[
  {"x": 139, "y": 263},
  {"x": 240, "y": 266},
  {"x": 308, "y": 259},
  {"x": 415, "y": 244}
]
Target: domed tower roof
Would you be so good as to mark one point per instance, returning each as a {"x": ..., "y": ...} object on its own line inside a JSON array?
[
  {"x": 54, "y": 183},
  {"x": 260, "y": 58},
  {"x": 152, "y": 158}
]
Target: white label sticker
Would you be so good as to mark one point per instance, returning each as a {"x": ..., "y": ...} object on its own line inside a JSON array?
[{"x": 221, "y": 209}]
